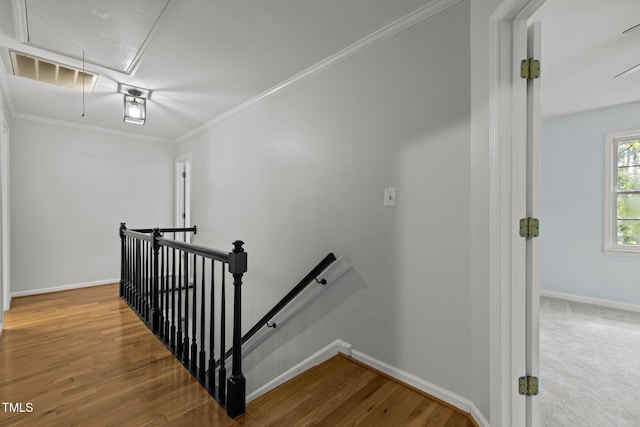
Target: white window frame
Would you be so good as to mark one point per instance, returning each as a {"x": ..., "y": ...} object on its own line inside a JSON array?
[{"x": 611, "y": 246}]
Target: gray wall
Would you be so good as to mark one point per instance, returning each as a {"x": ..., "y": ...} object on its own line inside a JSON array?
[
  {"x": 70, "y": 189},
  {"x": 571, "y": 243},
  {"x": 303, "y": 172}
]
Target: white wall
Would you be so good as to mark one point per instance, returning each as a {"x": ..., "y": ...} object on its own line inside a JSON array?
[
  {"x": 70, "y": 189},
  {"x": 571, "y": 242},
  {"x": 303, "y": 172}
]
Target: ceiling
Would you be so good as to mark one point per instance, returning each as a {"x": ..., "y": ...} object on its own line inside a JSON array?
[
  {"x": 201, "y": 58},
  {"x": 583, "y": 48}
]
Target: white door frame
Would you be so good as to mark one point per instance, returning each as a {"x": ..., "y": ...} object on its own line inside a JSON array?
[
  {"x": 4, "y": 182},
  {"x": 507, "y": 162},
  {"x": 183, "y": 189}
]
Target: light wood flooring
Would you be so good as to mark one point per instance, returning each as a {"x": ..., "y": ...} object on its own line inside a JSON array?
[{"x": 83, "y": 358}]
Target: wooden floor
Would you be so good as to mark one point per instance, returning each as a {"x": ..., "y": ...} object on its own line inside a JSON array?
[{"x": 83, "y": 358}]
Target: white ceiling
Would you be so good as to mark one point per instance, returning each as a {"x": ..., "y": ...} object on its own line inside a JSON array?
[
  {"x": 113, "y": 33},
  {"x": 583, "y": 48},
  {"x": 205, "y": 57}
]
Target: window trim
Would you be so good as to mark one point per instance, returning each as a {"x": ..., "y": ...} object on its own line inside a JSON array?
[{"x": 611, "y": 245}]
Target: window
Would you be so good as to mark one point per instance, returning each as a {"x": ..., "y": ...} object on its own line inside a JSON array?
[{"x": 622, "y": 194}]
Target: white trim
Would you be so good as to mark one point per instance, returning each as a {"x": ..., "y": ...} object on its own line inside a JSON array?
[
  {"x": 6, "y": 212},
  {"x": 610, "y": 241},
  {"x": 90, "y": 128},
  {"x": 506, "y": 266},
  {"x": 589, "y": 300},
  {"x": 425, "y": 386},
  {"x": 432, "y": 8},
  {"x": 622, "y": 252},
  {"x": 64, "y": 287},
  {"x": 184, "y": 164},
  {"x": 20, "y": 20},
  {"x": 478, "y": 417},
  {"x": 322, "y": 355},
  {"x": 339, "y": 346},
  {"x": 1, "y": 324}
]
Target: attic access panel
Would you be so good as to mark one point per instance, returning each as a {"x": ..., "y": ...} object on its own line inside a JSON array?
[{"x": 113, "y": 33}]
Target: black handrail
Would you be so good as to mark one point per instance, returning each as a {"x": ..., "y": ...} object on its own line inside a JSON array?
[
  {"x": 194, "y": 249},
  {"x": 193, "y": 230},
  {"x": 293, "y": 293},
  {"x": 167, "y": 301}
]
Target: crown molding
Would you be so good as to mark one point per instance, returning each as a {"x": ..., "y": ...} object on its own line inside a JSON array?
[
  {"x": 90, "y": 128},
  {"x": 419, "y": 15},
  {"x": 20, "y": 20}
]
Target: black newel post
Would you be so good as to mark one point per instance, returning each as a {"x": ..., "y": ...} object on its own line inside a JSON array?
[
  {"x": 155, "y": 309},
  {"x": 236, "y": 384},
  {"x": 122, "y": 258}
]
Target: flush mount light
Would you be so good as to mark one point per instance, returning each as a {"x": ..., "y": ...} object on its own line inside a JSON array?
[{"x": 135, "y": 103}]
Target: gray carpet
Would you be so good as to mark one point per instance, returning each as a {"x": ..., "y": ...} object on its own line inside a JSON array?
[{"x": 589, "y": 365}]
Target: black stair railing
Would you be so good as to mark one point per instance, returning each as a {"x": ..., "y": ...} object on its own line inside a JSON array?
[
  {"x": 173, "y": 287},
  {"x": 266, "y": 320}
]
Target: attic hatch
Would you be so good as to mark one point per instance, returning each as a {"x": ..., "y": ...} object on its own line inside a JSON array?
[{"x": 42, "y": 70}]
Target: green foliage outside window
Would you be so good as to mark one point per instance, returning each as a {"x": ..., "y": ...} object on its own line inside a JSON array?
[{"x": 628, "y": 203}]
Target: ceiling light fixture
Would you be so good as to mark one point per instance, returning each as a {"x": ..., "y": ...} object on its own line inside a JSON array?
[
  {"x": 135, "y": 103},
  {"x": 135, "y": 108}
]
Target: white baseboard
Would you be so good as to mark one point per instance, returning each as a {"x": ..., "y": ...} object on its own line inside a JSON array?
[
  {"x": 478, "y": 417},
  {"x": 1, "y": 327},
  {"x": 425, "y": 386},
  {"x": 63, "y": 288},
  {"x": 339, "y": 346},
  {"x": 592, "y": 301},
  {"x": 322, "y": 355}
]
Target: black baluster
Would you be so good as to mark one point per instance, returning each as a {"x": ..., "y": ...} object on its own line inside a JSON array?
[
  {"x": 173, "y": 300},
  {"x": 126, "y": 268},
  {"x": 194, "y": 321},
  {"x": 222, "y": 372},
  {"x": 130, "y": 274},
  {"x": 138, "y": 276},
  {"x": 130, "y": 270},
  {"x": 162, "y": 292},
  {"x": 147, "y": 282},
  {"x": 236, "y": 384},
  {"x": 212, "y": 325},
  {"x": 179, "y": 314},
  {"x": 141, "y": 269},
  {"x": 144, "y": 294},
  {"x": 166, "y": 296},
  {"x": 185, "y": 349},
  {"x": 202, "y": 346},
  {"x": 122, "y": 258},
  {"x": 155, "y": 305}
]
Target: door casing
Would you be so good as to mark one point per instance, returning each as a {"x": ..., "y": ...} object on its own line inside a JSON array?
[
  {"x": 507, "y": 163},
  {"x": 4, "y": 222}
]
